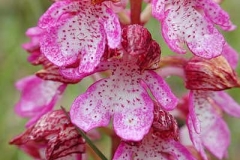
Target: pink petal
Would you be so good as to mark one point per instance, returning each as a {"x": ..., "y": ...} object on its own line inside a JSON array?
[
  {"x": 117, "y": 6},
  {"x": 152, "y": 148},
  {"x": 158, "y": 8},
  {"x": 216, "y": 14},
  {"x": 37, "y": 96},
  {"x": 227, "y": 103},
  {"x": 214, "y": 133},
  {"x": 231, "y": 55},
  {"x": 160, "y": 90},
  {"x": 134, "y": 121},
  {"x": 192, "y": 115},
  {"x": 73, "y": 73},
  {"x": 217, "y": 138},
  {"x": 183, "y": 23},
  {"x": 69, "y": 36},
  {"x": 34, "y": 34},
  {"x": 196, "y": 139},
  {"x": 89, "y": 110},
  {"x": 112, "y": 28}
]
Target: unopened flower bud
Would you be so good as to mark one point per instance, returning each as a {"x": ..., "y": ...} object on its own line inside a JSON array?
[
  {"x": 52, "y": 137},
  {"x": 164, "y": 125},
  {"x": 137, "y": 41},
  {"x": 214, "y": 75}
]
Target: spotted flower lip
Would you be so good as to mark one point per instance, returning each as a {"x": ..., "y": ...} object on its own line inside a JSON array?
[
  {"x": 159, "y": 143},
  {"x": 192, "y": 22},
  {"x": 70, "y": 35},
  {"x": 52, "y": 137},
  {"x": 122, "y": 96},
  {"x": 37, "y": 97}
]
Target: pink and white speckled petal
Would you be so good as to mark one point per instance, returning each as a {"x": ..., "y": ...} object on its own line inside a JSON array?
[
  {"x": 70, "y": 37},
  {"x": 231, "y": 55},
  {"x": 117, "y": 6},
  {"x": 203, "y": 108},
  {"x": 174, "y": 41},
  {"x": 216, "y": 14},
  {"x": 217, "y": 138},
  {"x": 160, "y": 90},
  {"x": 59, "y": 45},
  {"x": 192, "y": 115},
  {"x": 153, "y": 148},
  {"x": 37, "y": 96},
  {"x": 89, "y": 110},
  {"x": 59, "y": 9},
  {"x": 213, "y": 129},
  {"x": 73, "y": 73},
  {"x": 196, "y": 139},
  {"x": 209, "y": 45},
  {"x": 186, "y": 24},
  {"x": 112, "y": 28},
  {"x": 227, "y": 103},
  {"x": 158, "y": 8},
  {"x": 132, "y": 123}
]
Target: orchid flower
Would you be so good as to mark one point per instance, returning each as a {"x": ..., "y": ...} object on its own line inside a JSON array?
[
  {"x": 192, "y": 22},
  {"x": 160, "y": 143},
  {"x": 52, "y": 137},
  {"x": 206, "y": 79},
  {"x": 78, "y": 29},
  {"x": 206, "y": 126},
  {"x": 123, "y": 96},
  {"x": 37, "y": 97},
  {"x": 129, "y": 100}
]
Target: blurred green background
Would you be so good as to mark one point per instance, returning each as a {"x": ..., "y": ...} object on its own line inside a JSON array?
[{"x": 18, "y": 15}]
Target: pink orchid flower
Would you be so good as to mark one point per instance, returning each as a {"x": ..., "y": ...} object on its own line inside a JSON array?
[
  {"x": 38, "y": 96},
  {"x": 206, "y": 79},
  {"x": 78, "y": 30},
  {"x": 123, "y": 96},
  {"x": 160, "y": 143},
  {"x": 192, "y": 22}
]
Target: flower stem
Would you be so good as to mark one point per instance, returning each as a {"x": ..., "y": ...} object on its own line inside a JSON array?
[{"x": 136, "y": 7}]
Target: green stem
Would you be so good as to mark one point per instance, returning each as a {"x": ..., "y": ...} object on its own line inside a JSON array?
[{"x": 89, "y": 142}]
